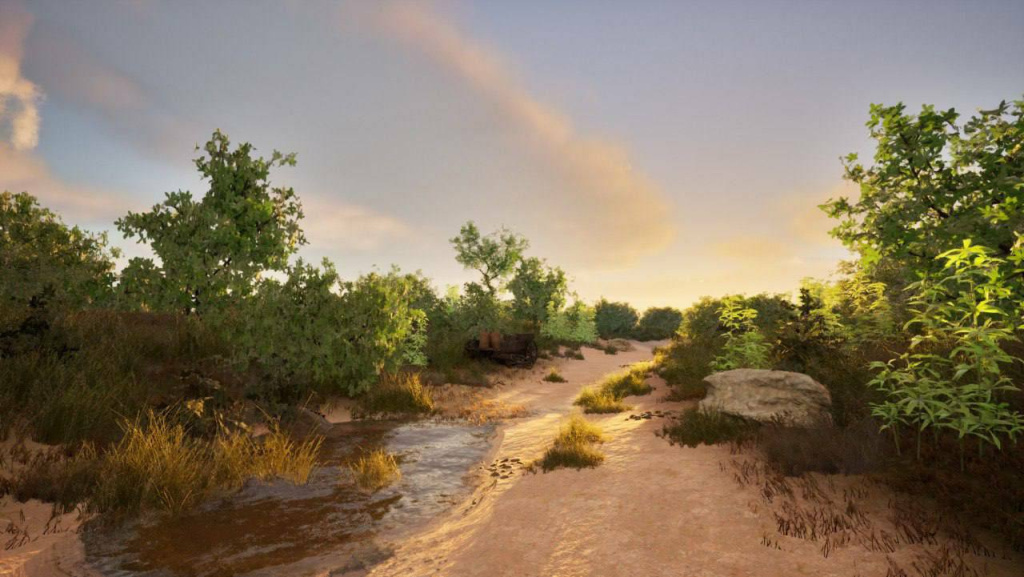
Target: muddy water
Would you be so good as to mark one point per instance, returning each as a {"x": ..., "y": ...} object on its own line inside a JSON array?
[{"x": 325, "y": 526}]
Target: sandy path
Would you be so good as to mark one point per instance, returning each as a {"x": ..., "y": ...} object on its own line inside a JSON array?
[{"x": 650, "y": 509}]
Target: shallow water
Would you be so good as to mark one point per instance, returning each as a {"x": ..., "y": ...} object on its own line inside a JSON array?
[{"x": 326, "y": 525}]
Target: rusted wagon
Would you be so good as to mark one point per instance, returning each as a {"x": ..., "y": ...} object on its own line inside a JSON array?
[{"x": 514, "y": 350}]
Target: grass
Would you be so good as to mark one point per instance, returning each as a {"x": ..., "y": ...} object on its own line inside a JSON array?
[
  {"x": 375, "y": 470},
  {"x": 697, "y": 426},
  {"x": 574, "y": 446},
  {"x": 402, "y": 393},
  {"x": 555, "y": 377},
  {"x": 595, "y": 400},
  {"x": 607, "y": 396}
]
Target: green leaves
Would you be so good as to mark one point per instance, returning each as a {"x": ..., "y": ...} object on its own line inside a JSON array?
[
  {"x": 952, "y": 376},
  {"x": 494, "y": 256},
  {"x": 218, "y": 245},
  {"x": 745, "y": 345}
]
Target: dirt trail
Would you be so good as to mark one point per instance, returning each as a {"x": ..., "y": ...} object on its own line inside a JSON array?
[{"x": 651, "y": 508}]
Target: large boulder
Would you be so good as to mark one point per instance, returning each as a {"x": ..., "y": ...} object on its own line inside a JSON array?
[{"x": 781, "y": 396}]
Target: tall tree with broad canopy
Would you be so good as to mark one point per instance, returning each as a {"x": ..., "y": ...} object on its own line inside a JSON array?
[
  {"x": 935, "y": 183},
  {"x": 535, "y": 289},
  {"x": 494, "y": 256},
  {"x": 220, "y": 244}
]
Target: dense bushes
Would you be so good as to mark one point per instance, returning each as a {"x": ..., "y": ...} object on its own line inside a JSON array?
[
  {"x": 658, "y": 323},
  {"x": 615, "y": 320}
]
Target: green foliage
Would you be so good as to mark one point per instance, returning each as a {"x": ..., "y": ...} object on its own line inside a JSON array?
[
  {"x": 574, "y": 324},
  {"x": 745, "y": 345},
  {"x": 684, "y": 364},
  {"x": 215, "y": 247},
  {"x": 615, "y": 319},
  {"x": 934, "y": 183},
  {"x": 952, "y": 377},
  {"x": 494, "y": 256},
  {"x": 333, "y": 335},
  {"x": 554, "y": 377},
  {"x": 45, "y": 261},
  {"x": 658, "y": 323},
  {"x": 537, "y": 288}
]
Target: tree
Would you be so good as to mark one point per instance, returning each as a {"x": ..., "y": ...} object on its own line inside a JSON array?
[
  {"x": 658, "y": 323},
  {"x": 935, "y": 183},
  {"x": 615, "y": 319},
  {"x": 494, "y": 256},
  {"x": 220, "y": 244},
  {"x": 536, "y": 288},
  {"x": 574, "y": 324},
  {"x": 43, "y": 259}
]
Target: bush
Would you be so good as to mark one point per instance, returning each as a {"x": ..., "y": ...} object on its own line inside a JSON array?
[
  {"x": 684, "y": 364},
  {"x": 575, "y": 324},
  {"x": 658, "y": 324},
  {"x": 574, "y": 446},
  {"x": 696, "y": 426},
  {"x": 375, "y": 470},
  {"x": 615, "y": 320},
  {"x": 745, "y": 346}
]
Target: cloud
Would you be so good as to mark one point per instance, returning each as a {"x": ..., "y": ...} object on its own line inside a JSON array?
[
  {"x": 21, "y": 171},
  {"x": 614, "y": 214},
  {"x": 70, "y": 72},
  {"x": 19, "y": 97},
  {"x": 755, "y": 249},
  {"x": 331, "y": 225}
]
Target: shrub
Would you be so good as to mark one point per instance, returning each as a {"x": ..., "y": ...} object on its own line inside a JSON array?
[
  {"x": 696, "y": 426},
  {"x": 684, "y": 364},
  {"x": 400, "y": 393},
  {"x": 554, "y": 377},
  {"x": 745, "y": 345},
  {"x": 615, "y": 319},
  {"x": 375, "y": 470},
  {"x": 658, "y": 323},
  {"x": 574, "y": 446}
]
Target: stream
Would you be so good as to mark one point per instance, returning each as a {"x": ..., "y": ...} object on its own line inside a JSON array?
[{"x": 325, "y": 526}]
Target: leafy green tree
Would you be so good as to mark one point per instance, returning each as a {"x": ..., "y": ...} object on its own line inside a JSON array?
[
  {"x": 220, "y": 244},
  {"x": 494, "y": 256},
  {"x": 952, "y": 377},
  {"x": 934, "y": 183},
  {"x": 658, "y": 323},
  {"x": 43, "y": 259},
  {"x": 535, "y": 289},
  {"x": 615, "y": 319},
  {"x": 574, "y": 324}
]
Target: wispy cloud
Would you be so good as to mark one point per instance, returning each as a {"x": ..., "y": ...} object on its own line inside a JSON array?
[
  {"x": 19, "y": 97},
  {"x": 336, "y": 226},
  {"x": 613, "y": 213}
]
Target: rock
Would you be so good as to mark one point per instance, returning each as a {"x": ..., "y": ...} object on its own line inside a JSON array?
[{"x": 792, "y": 398}]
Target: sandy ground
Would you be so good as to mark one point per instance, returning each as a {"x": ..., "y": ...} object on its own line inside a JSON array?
[{"x": 650, "y": 509}]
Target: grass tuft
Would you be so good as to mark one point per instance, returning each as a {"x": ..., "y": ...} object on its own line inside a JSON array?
[
  {"x": 574, "y": 446},
  {"x": 402, "y": 393},
  {"x": 375, "y": 470},
  {"x": 607, "y": 396},
  {"x": 697, "y": 426},
  {"x": 555, "y": 377}
]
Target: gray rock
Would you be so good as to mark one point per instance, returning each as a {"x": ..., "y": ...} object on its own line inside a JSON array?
[{"x": 792, "y": 398}]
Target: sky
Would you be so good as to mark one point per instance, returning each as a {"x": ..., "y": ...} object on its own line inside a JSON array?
[{"x": 658, "y": 151}]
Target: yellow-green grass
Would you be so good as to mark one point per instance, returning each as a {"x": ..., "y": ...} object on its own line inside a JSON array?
[
  {"x": 375, "y": 470},
  {"x": 402, "y": 393},
  {"x": 574, "y": 446},
  {"x": 607, "y": 396},
  {"x": 554, "y": 377}
]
